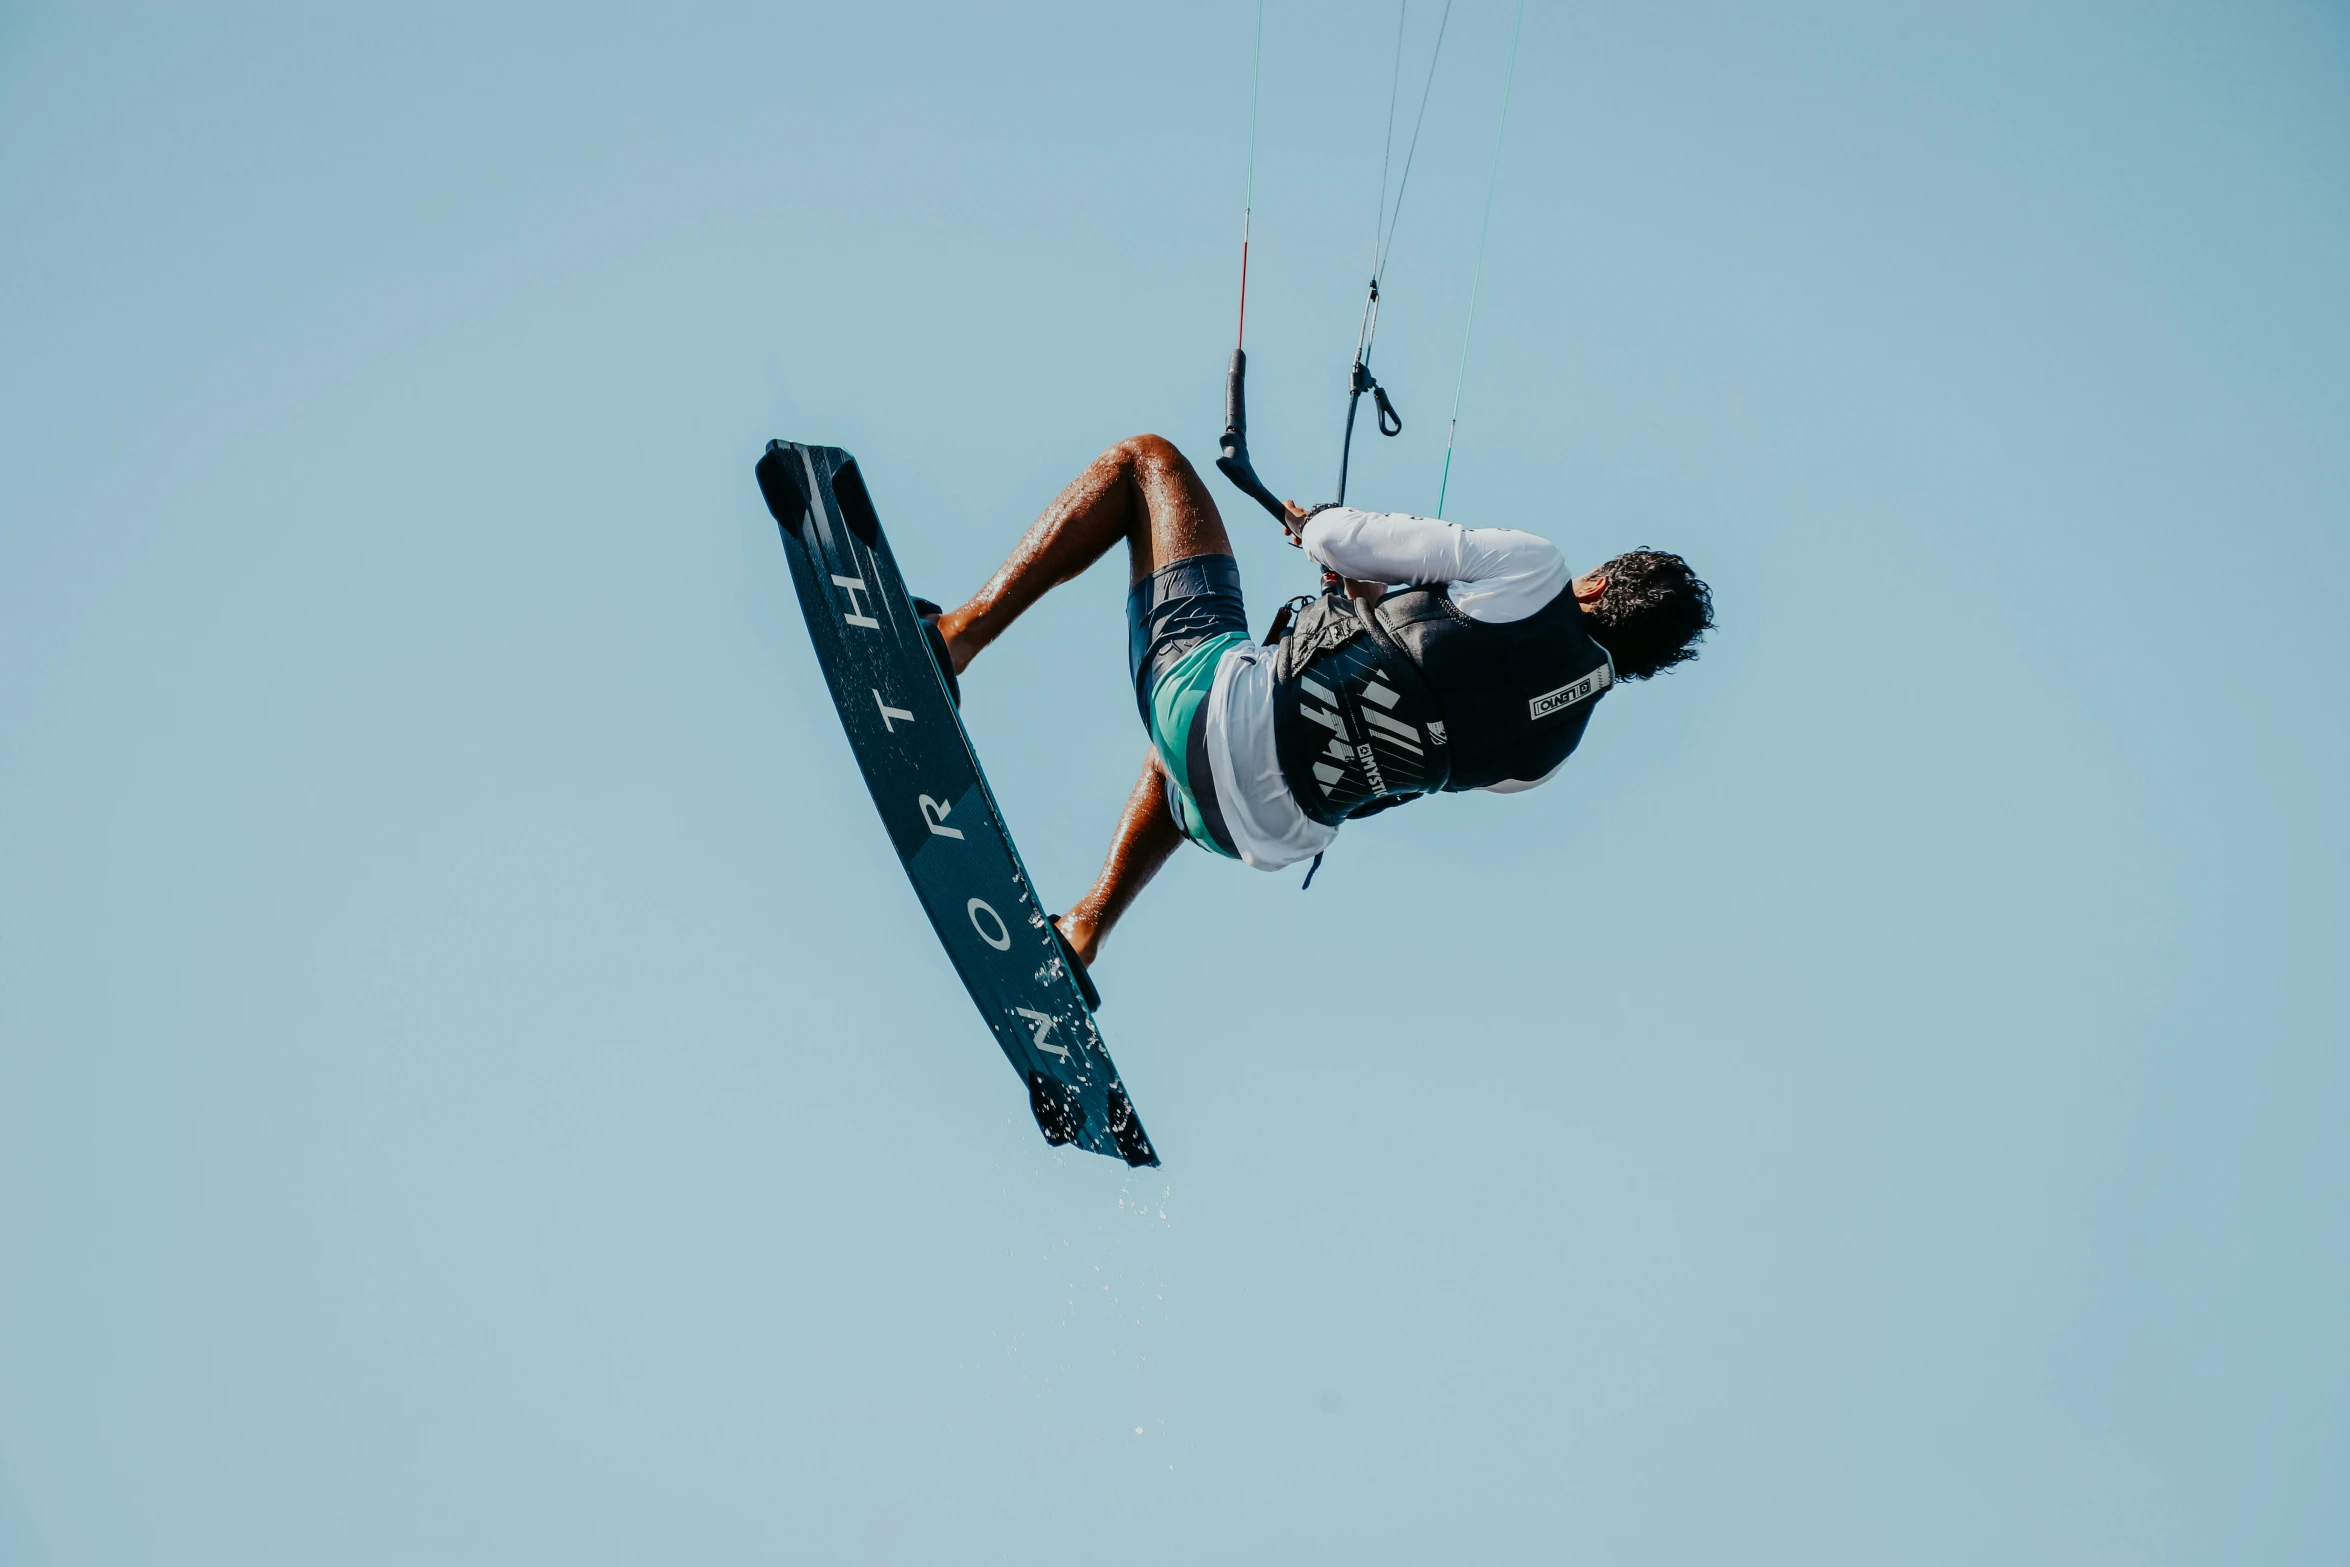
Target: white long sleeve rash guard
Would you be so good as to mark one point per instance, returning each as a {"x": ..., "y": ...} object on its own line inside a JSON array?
[{"x": 1495, "y": 575}]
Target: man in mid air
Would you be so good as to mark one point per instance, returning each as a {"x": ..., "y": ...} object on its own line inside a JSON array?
[{"x": 1455, "y": 658}]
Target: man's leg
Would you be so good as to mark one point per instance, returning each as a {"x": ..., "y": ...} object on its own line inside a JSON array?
[
  {"x": 1147, "y": 837},
  {"x": 1141, "y": 490},
  {"x": 1147, "y": 493}
]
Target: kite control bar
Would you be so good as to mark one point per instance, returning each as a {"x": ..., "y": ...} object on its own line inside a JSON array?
[
  {"x": 1232, "y": 461},
  {"x": 1232, "y": 452}
]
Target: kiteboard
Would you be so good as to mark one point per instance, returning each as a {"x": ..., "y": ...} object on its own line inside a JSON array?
[{"x": 907, "y": 733}]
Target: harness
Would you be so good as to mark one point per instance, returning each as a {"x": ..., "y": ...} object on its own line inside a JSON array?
[{"x": 1377, "y": 704}]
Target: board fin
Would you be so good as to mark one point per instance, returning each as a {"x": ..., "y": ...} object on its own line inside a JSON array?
[
  {"x": 1057, "y": 1115},
  {"x": 1126, "y": 1131}
]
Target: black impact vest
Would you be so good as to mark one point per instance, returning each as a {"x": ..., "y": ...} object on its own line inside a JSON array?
[{"x": 1374, "y": 704}]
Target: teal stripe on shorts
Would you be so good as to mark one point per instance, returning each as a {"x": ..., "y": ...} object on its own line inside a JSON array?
[{"x": 1175, "y": 700}]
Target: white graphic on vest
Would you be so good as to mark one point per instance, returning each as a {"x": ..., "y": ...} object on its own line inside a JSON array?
[
  {"x": 1568, "y": 695},
  {"x": 1371, "y": 766},
  {"x": 1404, "y": 734},
  {"x": 888, "y": 712},
  {"x": 1380, "y": 694},
  {"x": 855, "y": 585},
  {"x": 934, "y": 815},
  {"x": 1044, "y": 1022},
  {"x": 1435, "y": 731},
  {"x": 1324, "y": 774}
]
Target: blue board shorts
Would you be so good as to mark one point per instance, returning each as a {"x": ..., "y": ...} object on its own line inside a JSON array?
[{"x": 1180, "y": 622}]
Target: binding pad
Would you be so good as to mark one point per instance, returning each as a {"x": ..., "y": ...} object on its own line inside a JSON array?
[{"x": 910, "y": 743}]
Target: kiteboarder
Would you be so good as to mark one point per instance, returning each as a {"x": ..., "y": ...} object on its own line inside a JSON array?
[{"x": 1437, "y": 658}]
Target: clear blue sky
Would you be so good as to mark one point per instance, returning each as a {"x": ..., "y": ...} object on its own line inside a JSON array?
[{"x": 475, "y": 1086}]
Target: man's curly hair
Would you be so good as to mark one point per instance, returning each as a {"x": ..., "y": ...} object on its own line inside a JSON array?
[{"x": 1651, "y": 614}]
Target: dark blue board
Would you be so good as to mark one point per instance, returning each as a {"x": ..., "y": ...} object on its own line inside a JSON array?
[{"x": 941, "y": 816}]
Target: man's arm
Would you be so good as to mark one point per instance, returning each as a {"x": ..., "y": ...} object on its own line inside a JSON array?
[
  {"x": 1362, "y": 589},
  {"x": 1497, "y": 574}
]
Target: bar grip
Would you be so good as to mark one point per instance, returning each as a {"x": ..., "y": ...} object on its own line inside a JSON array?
[{"x": 1232, "y": 451}]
